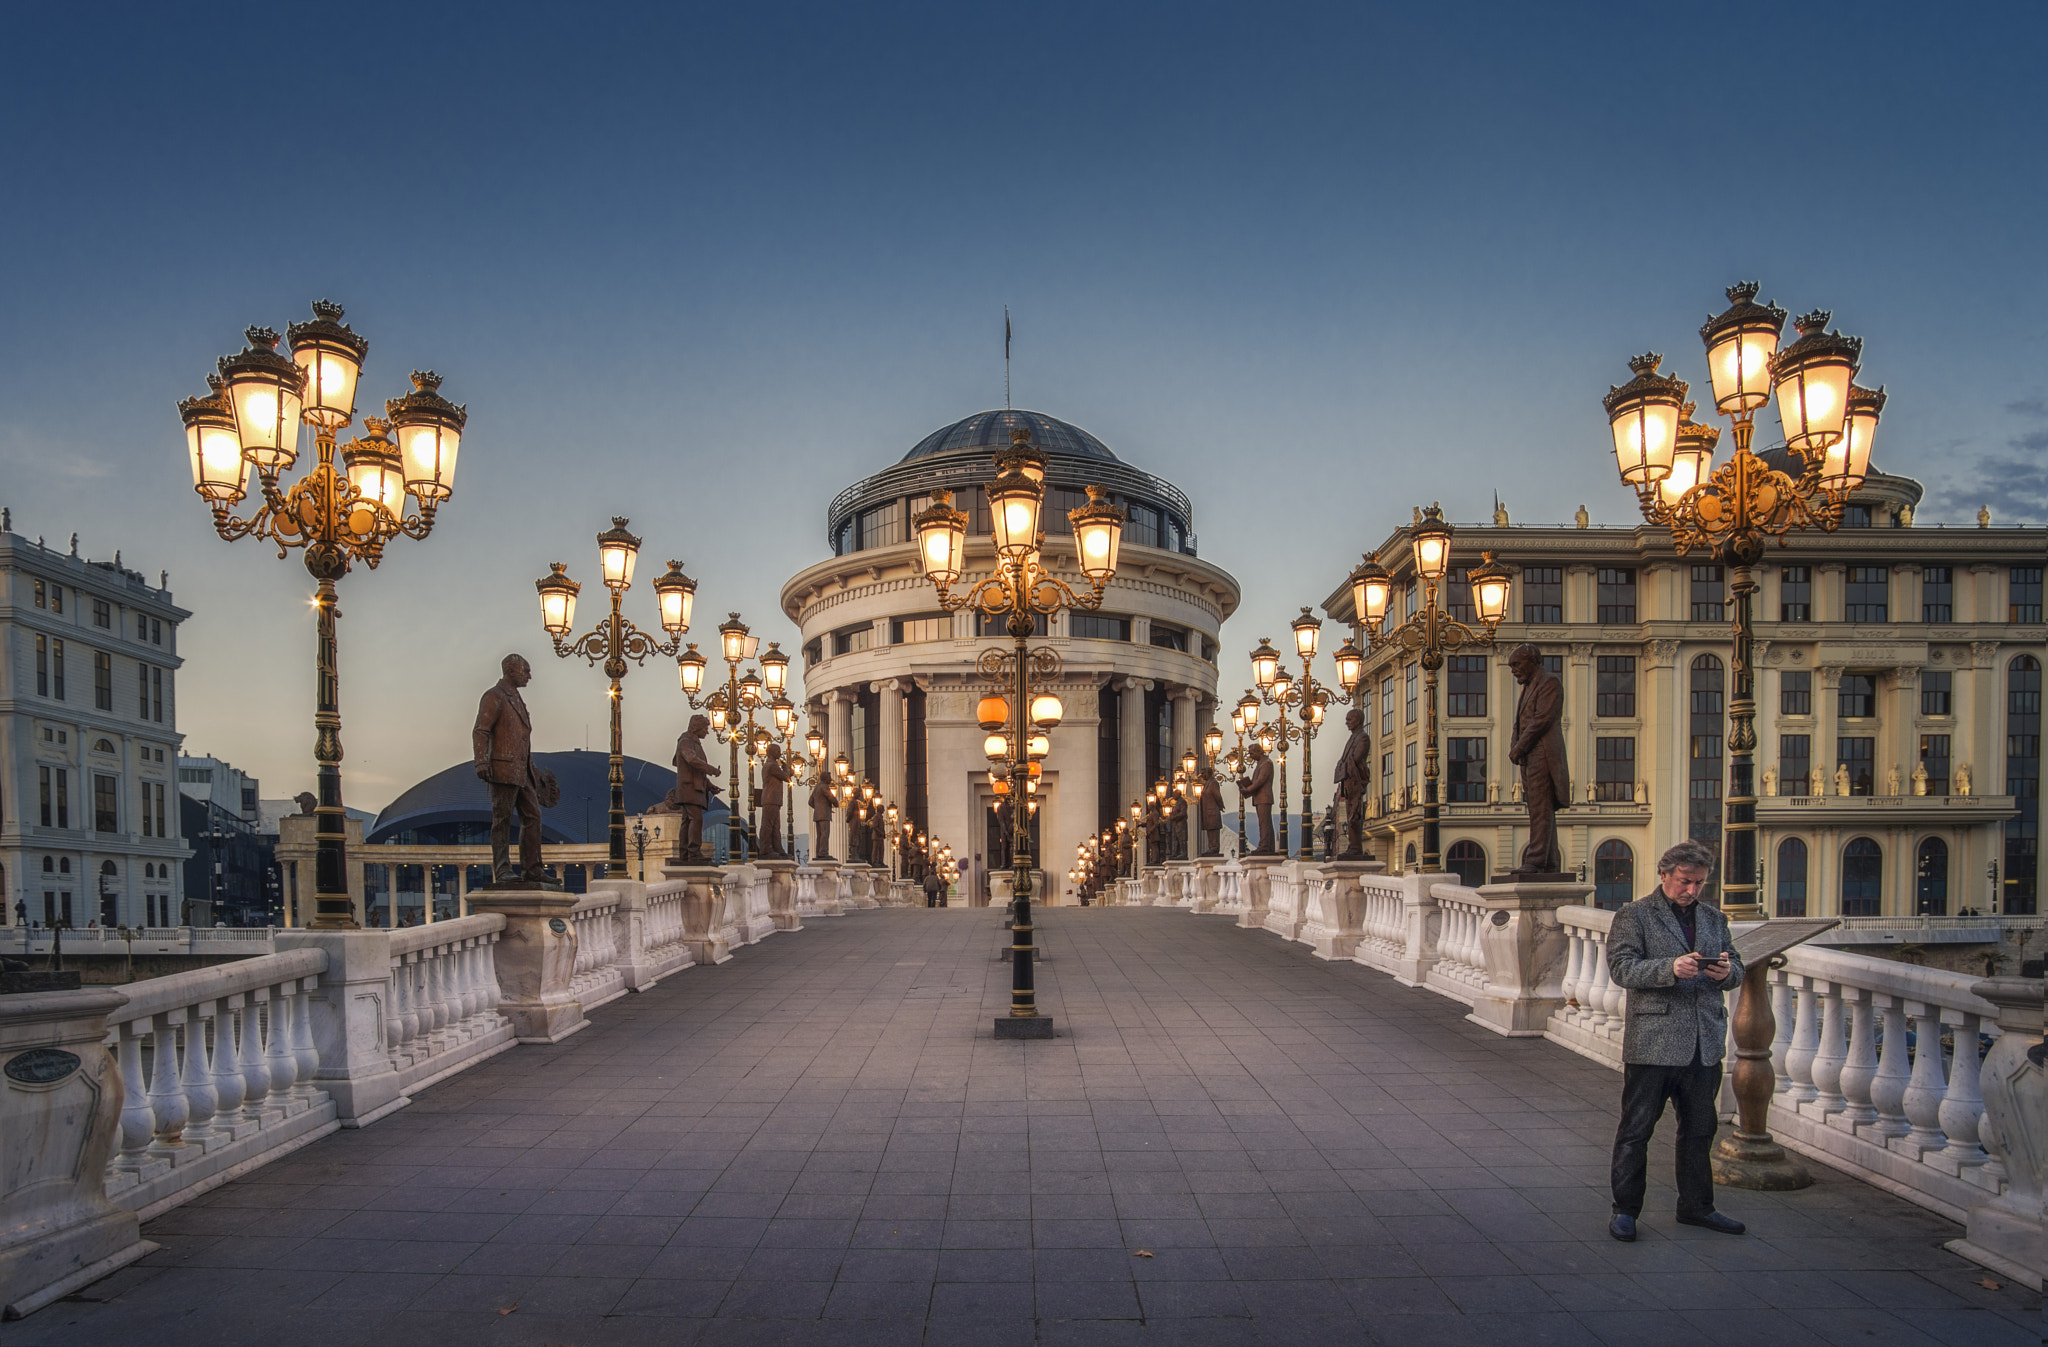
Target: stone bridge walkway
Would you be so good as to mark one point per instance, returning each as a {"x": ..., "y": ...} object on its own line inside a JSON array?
[{"x": 819, "y": 1142}]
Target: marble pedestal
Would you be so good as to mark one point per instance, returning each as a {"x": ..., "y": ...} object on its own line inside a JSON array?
[
  {"x": 60, "y": 1114},
  {"x": 828, "y": 889},
  {"x": 536, "y": 959},
  {"x": 1258, "y": 889},
  {"x": 704, "y": 920},
  {"x": 1526, "y": 950},
  {"x": 782, "y": 911},
  {"x": 1336, "y": 920},
  {"x": 2007, "y": 1233}
]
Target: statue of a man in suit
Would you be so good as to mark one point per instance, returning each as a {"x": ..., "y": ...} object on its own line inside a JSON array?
[
  {"x": 692, "y": 793},
  {"x": 503, "y": 745},
  {"x": 1354, "y": 775},
  {"x": 823, "y": 805},
  {"x": 1538, "y": 749},
  {"x": 1212, "y": 813},
  {"x": 1258, "y": 787},
  {"x": 775, "y": 775}
]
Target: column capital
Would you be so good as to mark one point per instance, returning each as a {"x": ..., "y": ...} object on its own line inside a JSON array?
[
  {"x": 1185, "y": 694},
  {"x": 887, "y": 685}
]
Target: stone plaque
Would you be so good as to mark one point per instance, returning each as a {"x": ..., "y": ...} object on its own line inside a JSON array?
[
  {"x": 557, "y": 925},
  {"x": 41, "y": 1066}
]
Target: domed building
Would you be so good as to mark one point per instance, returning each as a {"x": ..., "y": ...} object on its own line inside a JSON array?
[
  {"x": 453, "y": 806},
  {"x": 891, "y": 677}
]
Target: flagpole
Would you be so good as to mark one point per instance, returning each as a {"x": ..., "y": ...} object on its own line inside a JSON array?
[{"x": 1006, "y": 357}]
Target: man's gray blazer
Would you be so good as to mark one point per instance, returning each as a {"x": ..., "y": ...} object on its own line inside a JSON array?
[{"x": 1667, "y": 1018}]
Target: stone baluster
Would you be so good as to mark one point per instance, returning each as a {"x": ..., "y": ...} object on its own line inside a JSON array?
[
  {"x": 1613, "y": 996},
  {"x": 1782, "y": 1015},
  {"x": 434, "y": 1020},
  {"x": 1860, "y": 1070},
  {"x": 393, "y": 1023},
  {"x": 254, "y": 1061},
  {"x": 1924, "y": 1091},
  {"x": 1574, "y": 968},
  {"x": 278, "y": 1056},
  {"x": 1832, "y": 1051},
  {"x": 197, "y": 1076},
  {"x": 229, "y": 1088},
  {"x": 1805, "y": 1041},
  {"x": 303, "y": 1054},
  {"x": 138, "y": 1119},
  {"x": 1962, "y": 1106},
  {"x": 1888, "y": 1086}
]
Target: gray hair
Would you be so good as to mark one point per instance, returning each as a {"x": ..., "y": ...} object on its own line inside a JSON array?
[{"x": 1689, "y": 854}]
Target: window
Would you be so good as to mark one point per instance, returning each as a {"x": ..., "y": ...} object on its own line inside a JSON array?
[
  {"x": 1466, "y": 770},
  {"x": 1467, "y": 685},
  {"x": 1791, "y": 878},
  {"x": 43, "y": 782},
  {"x": 42, "y": 665},
  {"x": 1937, "y": 593},
  {"x": 1857, "y": 699},
  {"x": 196, "y": 776},
  {"x": 1795, "y": 594},
  {"x": 156, "y": 694},
  {"x": 1614, "y": 875},
  {"x": 1142, "y": 525},
  {"x": 849, "y": 639},
  {"x": 881, "y": 526},
  {"x": 156, "y": 631},
  {"x": 2024, "y": 596},
  {"x": 998, "y": 624},
  {"x": 1409, "y": 675},
  {"x": 1862, "y": 878},
  {"x": 57, "y": 670},
  {"x": 64, "y": 801},
  {"x": 814, "y": 651},
  {"x": 1467, "y": 860},
  {"x": 1866, "y": 594},
  {"x": 105, "y": 746},
  {"x": 1554, "y": 666},
  {"x": 102, "y": 681},
  {"x": 1795, "y": 692},
  {"x": 1408, "y": 775},
  {"x": 106, "y": 814},
  {"x": 1704, "y": 773},
  {"x": 1059, "y": 500},
  {"x": 2020, "y": 885},
  {"x": 1208, "y": 649},
  {"x": 56, "y": 598},
  {"x": 1386, "y": 782},
  {"x": 1099, "y": 627},
  {"x": 1855, "y": 516},
  {"x": 1412, "y": 606},
  {"x": 102, "y": 614},
  {"x": 142, "y": 626},
  {"x": 1615, "y": 594},
  {"x": 1614, "y": 770},
  {"x": 1795, "y": 763},
  {"x": 1709, "y": 594},
  {"x": 1387, "y": 704},
  {"x": 42, "y": 595},
  {"x": 1858, "y": 755},
  {"x": 1936, "y": 689},
  {"x": 910, "y": 630},
  {"x": 1458, "y": 597},
  {"x": 142, "y": 690},
  {"x": 1169, "y": 637},
  {"x": 1543, "y": 594},
  {"x": 158, "y": 792},
  {"x": 1615, "y": 692},
  {"x": 1930, "y": 879}
]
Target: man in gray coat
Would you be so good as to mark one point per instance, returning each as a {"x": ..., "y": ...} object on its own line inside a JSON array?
[{"x": 1675, "y": 957}]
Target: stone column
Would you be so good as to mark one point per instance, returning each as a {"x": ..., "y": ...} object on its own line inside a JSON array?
[
  {"x": 1827, "y": 696},
  {"x": 890, "y": 779},
  {"x": 1131, "y": 781},
  {"x": 839, "y": 726},
  {"x": 1184, "y": 700},
  {"x": 536, "y": 959}
]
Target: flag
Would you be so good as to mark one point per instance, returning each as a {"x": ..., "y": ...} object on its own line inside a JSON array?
[{"x": 1006, "y": 332}]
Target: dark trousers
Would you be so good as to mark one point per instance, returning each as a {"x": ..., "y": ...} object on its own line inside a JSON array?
[
  {"x": 505, "y": 802},
  {"x": 1693, "y": 1091},
  {"x": 1541, "y": 855}
]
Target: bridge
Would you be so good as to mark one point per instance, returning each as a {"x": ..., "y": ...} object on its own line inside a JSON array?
[{"x": 1276, "y": 1112}]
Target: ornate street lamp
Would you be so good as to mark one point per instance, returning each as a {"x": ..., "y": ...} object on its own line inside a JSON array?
[
  {"x": 1309, "y": 700},
  {"x": 615, "y": 640},
  {"x": 734, "y": 705},
  {"x": 1730, "y": 511},
  {"x": 252, "y": 420},
  {"x": 1429, "y": 633},
  {"x": 1020, "y": 588}
]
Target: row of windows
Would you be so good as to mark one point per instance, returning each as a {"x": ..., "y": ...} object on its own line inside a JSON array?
[
  {"x": 885, "y": 525},
  {"x": 50, "y": 680},
  {"x": 49, "y": 595},
  {"x": 939, "y": 627},
  {"x": 53, "y": 802}
]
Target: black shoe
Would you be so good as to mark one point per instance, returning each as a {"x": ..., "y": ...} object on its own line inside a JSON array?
[
  {"x": 1623, "y": 1228},
  {"x": 1714, "y": 1220}
]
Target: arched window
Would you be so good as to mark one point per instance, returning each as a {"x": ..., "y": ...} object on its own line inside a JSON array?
[
  {"x": 1862, "y": 878},
  {"x": 103, "y": 746},
  {"x": 1930, "y": 888},
  {"x": 107, "y": 868},
  {"x": 2020, "y": 885},
  {"x": 1467, "y": 860},
  {"x": 63, "y": 865},
  {"x": 1411, "y": 855},
  {"x": 49, "y": 865},
  {"x": 1792, "y": 878},
  {"x": 1707, "y": 769},
  {"x": 1614, "y": 874}
]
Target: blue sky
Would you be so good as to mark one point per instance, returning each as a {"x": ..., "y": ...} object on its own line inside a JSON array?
[{"x": 704, "y": 266}]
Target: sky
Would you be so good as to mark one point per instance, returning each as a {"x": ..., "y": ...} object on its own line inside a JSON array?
[{"x": 704, "y": 266}]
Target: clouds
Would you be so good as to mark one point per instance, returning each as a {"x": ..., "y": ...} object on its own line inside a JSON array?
[{"x": 2013, "y": 481}]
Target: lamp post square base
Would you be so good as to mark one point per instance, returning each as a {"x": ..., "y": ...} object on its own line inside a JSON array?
[{"x": 1024, "y": 1026}]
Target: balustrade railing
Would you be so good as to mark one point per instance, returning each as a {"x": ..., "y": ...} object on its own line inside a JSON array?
[
  {"x": 1460, "y": 967},
  {"x": 444, "y": 997},
  {"x": 598, "y": 977}
]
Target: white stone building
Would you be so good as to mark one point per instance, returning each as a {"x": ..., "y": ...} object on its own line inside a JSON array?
[
  {"x": 892, "y": 677},
  {"x": 88, "y": 740},
  {"x": 1898, "y": 709}
]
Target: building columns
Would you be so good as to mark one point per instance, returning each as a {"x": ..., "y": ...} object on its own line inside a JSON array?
[
  {"x": 891, "y": 773},
  {"x": 1184, "y": 700},
  {"x": 1131, "y": 781}
]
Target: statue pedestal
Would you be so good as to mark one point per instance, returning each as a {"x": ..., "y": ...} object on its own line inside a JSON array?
[
  {"x": 782, "y": 911},
  {"x": 536, "y": 958},
  {"x": 704, "y": 921},
  {"x": 2006, "y": 1234},
  {"x": 828, "y": 889},
  {"x": 1526, "y": 949},
  {"x": 1336, "y": 920},
  {"x": 1258, "y": 889},
  {"x": 60, "y": 1112}
]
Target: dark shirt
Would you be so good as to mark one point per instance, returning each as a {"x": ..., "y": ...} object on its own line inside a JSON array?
[{"x": 1688, "y": 921}]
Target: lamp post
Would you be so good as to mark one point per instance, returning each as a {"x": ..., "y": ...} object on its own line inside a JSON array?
[
  {"x": 253, "y": 419},
  {"x": 733, "y": 705},
  {"x": 1429, "y": 633},
  {"x": 1021, "y": 588},
  {"x": 1732, "y": 510},
  {"x": 615, "y": 640},
  {"x": 1309, "y": 700},
  {"x": 641, "y": 837}
]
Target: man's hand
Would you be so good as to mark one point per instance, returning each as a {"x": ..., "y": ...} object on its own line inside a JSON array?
[
  {"x": 1687, "y": 966},
  {"x": 483, "y": 771},
  {"x": 1720, "y": 968}
]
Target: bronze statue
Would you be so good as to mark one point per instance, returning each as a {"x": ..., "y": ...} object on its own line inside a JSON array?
[
  {"x": 1354, "y": 777},
  {"x": 775, "y": 774},
  {"x": 1150, "y": 823},
  {"x": 1259, "y": 787},
  {"x": 503, "y": 745},
  {"x": 1212, "y": 813},
  {"x": 1538, "y": 749},
  {"x": 823, "y": 804},
  {"x": 692, "y": 793}
]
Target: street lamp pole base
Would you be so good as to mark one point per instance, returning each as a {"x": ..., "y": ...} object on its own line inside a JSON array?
[
  {"x": 1757, "y": 1163},
  {"x": 1024, "y": 1026}
]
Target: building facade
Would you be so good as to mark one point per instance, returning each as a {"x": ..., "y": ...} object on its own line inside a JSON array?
[
  {"x": 89, "y": 824},
  {"x": 231, "y": 878},
  {"x": 1898, "y": 698},
  {"x": 891, "y": 679}
]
